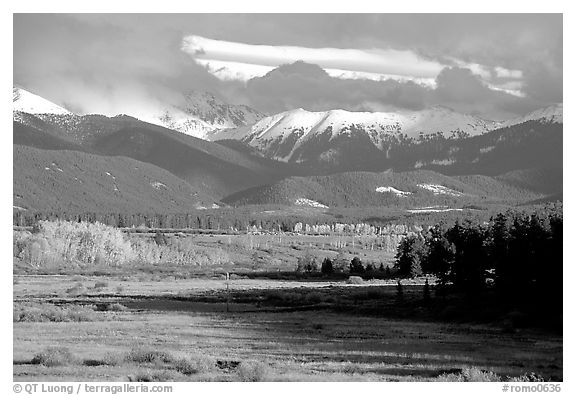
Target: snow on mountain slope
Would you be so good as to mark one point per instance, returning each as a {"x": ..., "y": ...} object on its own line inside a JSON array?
[
  {"x": 309, "y": 203},
  {"x": 393, "y": 190},
  {"x": 201, "y": 113},
  {"x": 440, "y": 189},
  {"x": 25, "y": 101},
  {"x": 294, "y": 128},
  {"x": 551, "y": 114}
]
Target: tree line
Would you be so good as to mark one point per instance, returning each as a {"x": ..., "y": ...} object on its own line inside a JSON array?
[{"x": 517, "y": 254}]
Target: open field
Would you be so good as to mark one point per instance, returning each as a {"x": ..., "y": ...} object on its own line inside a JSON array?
[{"x": 164, "y": 329}]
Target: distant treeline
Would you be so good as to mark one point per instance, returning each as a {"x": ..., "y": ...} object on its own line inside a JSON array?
[
  {"x": 196, "y": 219},
  {"x": 262, "y": 217}
]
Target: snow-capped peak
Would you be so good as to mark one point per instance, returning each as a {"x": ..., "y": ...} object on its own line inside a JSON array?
[
  {"x": 287, "y": 131},
  {"x": 28, "y": 102},
  {"x": 550, "y": 114},
  {"x": 201, "y": 113}
]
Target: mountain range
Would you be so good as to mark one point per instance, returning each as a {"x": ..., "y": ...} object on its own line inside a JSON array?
[
  {"x": 317, "y": 159},
  {"x": 289, "y": 136}
]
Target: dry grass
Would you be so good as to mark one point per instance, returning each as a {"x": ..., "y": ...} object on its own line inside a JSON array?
[
  {"x": 253, "y": 371},
  {"x": 116, "y": 307},
  {"x": 45, "y": 312},
  {"x": 179, "y": 342}
]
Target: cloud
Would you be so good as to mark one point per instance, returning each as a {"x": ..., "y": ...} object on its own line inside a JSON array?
[
  {"x": 309, "y": 86},
  {"x": 527, "y": 44},
  {"x": 230, "y": 60},
  {"x": 115, "y": 63},
  {"x": 381, "y": 61},
  {"x": 103, "y": 68},
  {"x": 462, "y": 90}
]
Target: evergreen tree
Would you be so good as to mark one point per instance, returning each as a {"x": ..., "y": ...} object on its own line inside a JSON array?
[
  {"x": 356, "y": 265},
  {"x": 388, "y": 272},
  {"x": 439, "y": 254},
  {"x": 411, "y": 250},
  {"x": 327, "y": 267}
]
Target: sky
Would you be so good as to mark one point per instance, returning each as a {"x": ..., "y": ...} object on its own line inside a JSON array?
[{"x": 496, "y": 66}]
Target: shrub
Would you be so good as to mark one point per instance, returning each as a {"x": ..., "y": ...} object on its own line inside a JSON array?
[
  {"x": 100, "y": 284},
  {"x": 109, "y": 359},
  {"x": 160, "y": 239},
  {"x": 193, "y": 365},
  {"x": 143, "y": 355},
  {"x": 253, "y": 371},
  {"x": 528, "y": 378},
  {"x": 177, "y": 251},
  {"x": 471, "y": 375},
  {"x": 53, "y": 356},
  {"x": 307, "y": 263},
  {"x": 340, "y": 263},
  {"x": 57, "y": 243}
]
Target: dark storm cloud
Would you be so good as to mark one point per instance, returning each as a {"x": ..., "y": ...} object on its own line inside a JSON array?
[
  {"x": 308, "y": 86},
  {"x": 463, "y": 91}
]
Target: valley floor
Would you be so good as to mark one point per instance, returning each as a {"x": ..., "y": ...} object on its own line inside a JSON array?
[{"x": 256, "y": 341}]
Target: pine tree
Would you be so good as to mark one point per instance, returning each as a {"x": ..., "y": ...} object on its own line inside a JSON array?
[
  {"x": 411, "y": 251},
  {"x": 327, "y": 267},
  {"x": 356, "y": 265}
]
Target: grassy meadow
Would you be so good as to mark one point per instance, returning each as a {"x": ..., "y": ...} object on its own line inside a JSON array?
[{"x": 89, "y": 305}]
